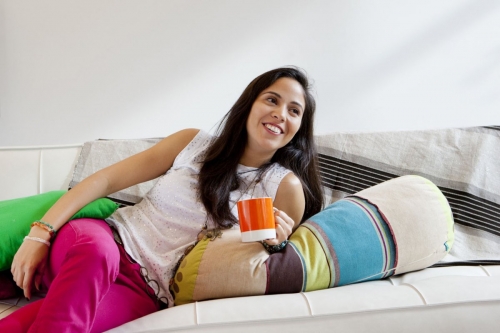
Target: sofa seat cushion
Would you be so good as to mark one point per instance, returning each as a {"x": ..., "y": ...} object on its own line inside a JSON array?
[{"x": 456, "y": 299}]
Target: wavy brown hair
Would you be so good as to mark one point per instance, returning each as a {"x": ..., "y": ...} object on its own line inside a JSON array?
[{"x": 218, "y": 176}]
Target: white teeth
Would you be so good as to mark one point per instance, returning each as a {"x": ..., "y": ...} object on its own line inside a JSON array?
[{"x": 273, "y": 128}]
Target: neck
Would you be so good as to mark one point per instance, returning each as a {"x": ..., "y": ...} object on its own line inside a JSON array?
[{"x": 254, "y": 160}]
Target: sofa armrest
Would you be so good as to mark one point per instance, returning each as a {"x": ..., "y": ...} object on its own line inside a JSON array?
[{"x": 26, "y": 171}]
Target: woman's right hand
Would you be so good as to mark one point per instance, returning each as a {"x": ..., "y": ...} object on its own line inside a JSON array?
[{"x": 29, "y": 263}]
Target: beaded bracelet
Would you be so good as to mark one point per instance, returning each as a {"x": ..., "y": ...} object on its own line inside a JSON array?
[
  {"x": 46, "y": 226},
  {"x": 275, "y": 248},
  {"x": 36, "y": 239}
]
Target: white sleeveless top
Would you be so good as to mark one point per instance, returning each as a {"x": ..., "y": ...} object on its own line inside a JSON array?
[{"x": 156, "y": 231}]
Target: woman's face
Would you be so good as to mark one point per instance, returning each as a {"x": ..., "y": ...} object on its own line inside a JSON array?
[{"x": 275, "y": 117}]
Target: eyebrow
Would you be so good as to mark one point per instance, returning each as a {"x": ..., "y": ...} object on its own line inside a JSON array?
[{"x": 278, "y": 95}]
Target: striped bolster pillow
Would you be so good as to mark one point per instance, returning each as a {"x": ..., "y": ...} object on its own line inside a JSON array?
[{"x": 401, "y": 225}]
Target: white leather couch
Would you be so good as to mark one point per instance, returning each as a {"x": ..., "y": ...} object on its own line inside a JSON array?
[{"x": 445, "y": 299}]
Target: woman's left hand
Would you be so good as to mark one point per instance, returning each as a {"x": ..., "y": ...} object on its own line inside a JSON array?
[{"x": 284, "y": 227}]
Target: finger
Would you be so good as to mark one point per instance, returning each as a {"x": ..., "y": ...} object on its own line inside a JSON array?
[
  {"x": 280, "y": 236},
  {"x": 19, "y": 280},
  {"x": 13, "y": 271},
  {"x": 14, "y": 267},
  {"x": 271, "y": 241},
  {"x": 27, "y": 281},
  {"x": 38, "y": 280},
  {"x": 279, "y": 214},
  {"x": 39, "y": 275},
  {"x": 286, "y": 226},
  {"x": 17, "y": 275}
]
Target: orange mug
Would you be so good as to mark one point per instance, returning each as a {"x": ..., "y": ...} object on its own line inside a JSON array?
[{"x": 256, "y": 219}]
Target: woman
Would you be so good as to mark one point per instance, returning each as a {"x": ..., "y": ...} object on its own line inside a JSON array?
[{"x": 264, "y": 147}]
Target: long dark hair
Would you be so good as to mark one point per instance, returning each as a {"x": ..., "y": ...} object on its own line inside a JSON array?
[{"x": 218, "y": 175}]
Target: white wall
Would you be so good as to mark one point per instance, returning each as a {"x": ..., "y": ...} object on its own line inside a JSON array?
[{"x": 72, "y": 71}]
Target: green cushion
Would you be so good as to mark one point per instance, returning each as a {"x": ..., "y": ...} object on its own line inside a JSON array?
[{"x": 16, "y": 216}]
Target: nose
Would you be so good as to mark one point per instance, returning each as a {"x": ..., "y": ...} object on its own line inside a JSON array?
[{"x": 279, "y": 113}]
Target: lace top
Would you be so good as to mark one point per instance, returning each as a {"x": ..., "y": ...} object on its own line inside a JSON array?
[{"x": 157, "y": 230}]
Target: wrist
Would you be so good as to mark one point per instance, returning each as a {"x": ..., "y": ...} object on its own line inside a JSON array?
[
  {"x": 37, "y": 239},
  {"x": 40, "y": 233},
  {"x": 275, "y": 248},
  {"x": 39, "y": 224}
]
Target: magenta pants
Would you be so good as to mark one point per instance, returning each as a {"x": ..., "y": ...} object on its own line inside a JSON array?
[{"x": 92, "y": 283}]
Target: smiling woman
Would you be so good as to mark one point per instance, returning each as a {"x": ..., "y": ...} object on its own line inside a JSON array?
[
  {"x": 239, "y": 129},
  {"x": 264, "y": 147}
]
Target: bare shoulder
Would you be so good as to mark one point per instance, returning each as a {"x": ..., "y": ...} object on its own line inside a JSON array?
[
  {"x": 161, "y": 156},
  {"x": 189, "y": 132},
  {"x": 177, "y": 141},
  {"x": 183, "y": 136},
  {"x": 290, "y": 197},
  {"x": 291, "y": 181}
]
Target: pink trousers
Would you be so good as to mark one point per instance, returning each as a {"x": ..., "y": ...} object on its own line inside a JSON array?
[{"x": 92, "y": 283}]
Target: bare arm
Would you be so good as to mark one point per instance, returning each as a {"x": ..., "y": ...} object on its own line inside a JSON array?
[
  {"x": 30, "y": 260},
  {"x": 290, "y": 204},
  {"x": 136, "y": 169}
]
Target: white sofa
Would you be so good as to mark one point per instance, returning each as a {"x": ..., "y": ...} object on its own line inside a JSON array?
[{"x": 444, "y": 299}]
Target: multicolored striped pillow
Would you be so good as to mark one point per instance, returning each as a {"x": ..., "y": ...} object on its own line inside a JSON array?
[{"x": 401, "y": 225}]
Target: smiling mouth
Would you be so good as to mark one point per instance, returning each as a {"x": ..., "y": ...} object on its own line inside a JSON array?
[{"x": 274, "y": 129}]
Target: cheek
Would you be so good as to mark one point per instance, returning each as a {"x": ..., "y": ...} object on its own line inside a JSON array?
[
  {"x": 296, "y": 125},
  {"x": 253, "y": 116},
  {"x": 250, "y": 122}
]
